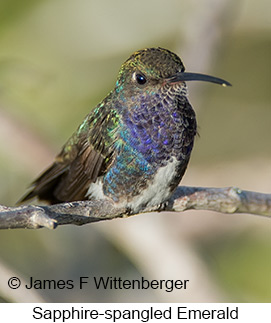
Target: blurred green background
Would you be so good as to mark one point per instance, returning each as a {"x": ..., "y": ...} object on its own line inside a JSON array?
[{"x": 58, "y": 59}]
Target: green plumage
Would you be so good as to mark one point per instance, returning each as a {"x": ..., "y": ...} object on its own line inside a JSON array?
[{"x": 134, "y": 147}]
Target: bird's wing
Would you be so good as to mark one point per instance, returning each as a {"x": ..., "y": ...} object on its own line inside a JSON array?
[{"x": 86, "y": 156}]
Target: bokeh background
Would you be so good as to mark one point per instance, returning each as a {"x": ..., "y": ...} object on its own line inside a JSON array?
[{"x": 58, "y": 59}]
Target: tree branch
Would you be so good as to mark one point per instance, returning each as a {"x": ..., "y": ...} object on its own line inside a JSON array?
[{"x": 225, "y": 200}]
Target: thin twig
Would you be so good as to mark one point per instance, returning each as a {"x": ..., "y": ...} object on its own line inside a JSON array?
[{"x": 224, "y": 200}]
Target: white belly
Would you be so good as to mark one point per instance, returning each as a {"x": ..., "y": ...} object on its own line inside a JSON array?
[
  {"x": 159, "y": 189},
  {"x": 156, "y": 193}
]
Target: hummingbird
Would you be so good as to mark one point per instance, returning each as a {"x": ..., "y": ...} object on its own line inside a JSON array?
[{"x": 134, "y": 147}]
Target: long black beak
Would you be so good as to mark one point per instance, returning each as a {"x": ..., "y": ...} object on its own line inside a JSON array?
[{"x": 183, "y": 76}]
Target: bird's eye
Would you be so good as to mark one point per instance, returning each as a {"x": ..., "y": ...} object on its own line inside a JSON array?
[{"x": 140, "y": 78}]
